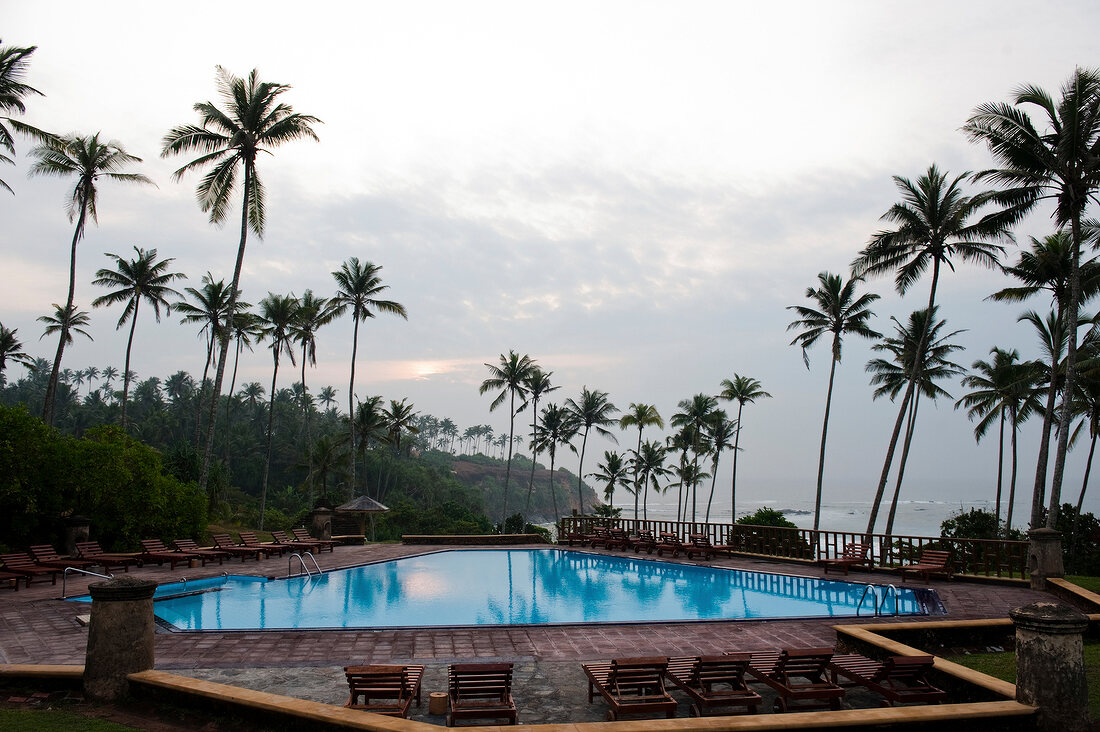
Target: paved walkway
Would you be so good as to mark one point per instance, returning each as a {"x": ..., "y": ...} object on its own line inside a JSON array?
[{"x": 37, "y": 627}]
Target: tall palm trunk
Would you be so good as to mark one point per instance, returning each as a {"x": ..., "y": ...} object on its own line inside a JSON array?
[
  {"x": 713, "y": 481},
  {"x": 231, "y": 308},
  {"x": 229, "y": 404},
  {"x": 736, "y": 449},
  {"x": 1038, "y": 495},
  {"x": 824, "y": 434},
  {"x": 508, "y": 469},
  {"x": 1012, "y": 476},
  {"x": 912, "y": 422},
  {"x": 351, "y": 393},
  {"x": 270, "y": 434},
  {"x": 534, "y": 450},
  {"x": 1000, "y": 467},
  {"x": 1071, "y": 373},
  {"x": 918, "y": 364},
  {"x": 126, "y": 368},
  {"x": 553, "y": 490},
  {"x": 307, "y": 413},
  {"x": 580, "y": 472},
  {"x": 51, "y": 386},
  {"x": 1073, "y": 547},
  {"x": 202, "y": 385}
]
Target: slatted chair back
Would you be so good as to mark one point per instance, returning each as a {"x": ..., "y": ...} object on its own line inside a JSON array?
[
  {"x": 638, "y": 676},
  {"x": 154, "y": 546},
  {"x": 18, "y": 560},
  {"x": 720, "y": 671},
  {"x": 904, "y": 670},
  {"x": 302, "y": 535},
  {"x": 186, "y": 545},
  {"x": 248, "y": 538},
  {"x": 855, "y": 551},
  {"x": 807, "y": 663},
  {"x": 225, "y": 541},
  {"x": 935, "y": 557},
  {"x": 45, "y": 553},
  {"x": 89, "y": 549},
  {"x": 468, "y": 681}
]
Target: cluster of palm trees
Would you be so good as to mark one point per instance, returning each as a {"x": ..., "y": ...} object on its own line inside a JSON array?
[
  {"x": 937, "y": 223},
  {"x": 703, "y": 433}
]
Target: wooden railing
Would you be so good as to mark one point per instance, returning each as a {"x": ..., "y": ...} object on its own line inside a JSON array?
[{"x": 984, "y": 557}]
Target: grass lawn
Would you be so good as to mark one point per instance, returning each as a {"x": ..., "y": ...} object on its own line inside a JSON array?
[
  {"x": 1003, "y": 666},
  {"x": 1089, "y": 583},
  {"x": 54, "y": 720}
]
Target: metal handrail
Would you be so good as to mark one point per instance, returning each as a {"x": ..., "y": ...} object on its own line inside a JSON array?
[
  {"x": 314, "y": 560},
  {"x": 866, "y": 589},
  {"x": 885, "y": 594},
  {"x": 65, "y": 578}
]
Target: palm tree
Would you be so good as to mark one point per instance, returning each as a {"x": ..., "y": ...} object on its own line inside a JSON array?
[
  {"x": 276, "y": 319},
  {"x": 134, "y": 280},
  {"x": 254, "y": 120},
  {"x": 649, "y": 463},
  {"x": 1048, "y": 266},
  {"x": 358, "y": 286},
  {"x": 245, "y": 331},
  {"x": 611, "y": 472},
  {"x": 312, "y": 313},
  {"x": 510, "y": 377},
  {"x": 11, "y": 348},
  {"x": 838, "y": 312},
  {"x": 87, "y": 159},
  {"x": 536, "y": 384},
  {"x": 721, "y": 431},
  {"x": 1060, "y": 163},
  {"x": 558, "y": 426},
  {"x": 640, "y": 416},
  {"x": 110, "y": 373},
  {"x": 695, "y": 413},
  {"x": 744, "y": 390},
  {"x": 934, "y": 221},
  {"x": 66, "y": 321},
  {"x": 210, "y": 308},
  {"x": 13, "y": 69},
  {"x": 400, "y": 417},
  {"x": 327, "y": 396},
  {"x": 1003, "y": 389},
  {"x": 593, "y": 410}
]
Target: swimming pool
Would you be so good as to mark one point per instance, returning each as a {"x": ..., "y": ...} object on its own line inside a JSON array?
[{"x": 513, "y": 587}]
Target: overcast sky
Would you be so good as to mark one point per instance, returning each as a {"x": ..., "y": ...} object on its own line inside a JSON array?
[{"x": 632, "y": 193}]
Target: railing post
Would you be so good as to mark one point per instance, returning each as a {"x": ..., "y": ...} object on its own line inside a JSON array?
[
  {"x": 120, "y": 636},
  {"x": 1044, "y": 557},
  {"x": 1050, "y": 665}
]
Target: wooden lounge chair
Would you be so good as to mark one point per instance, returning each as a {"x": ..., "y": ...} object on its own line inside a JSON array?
[
  {"x": 670, "y": 543},
  {"x": 854, "y": 555},
  {"x": 932, "y": 561},
  {"x": 699, "y": 544},
  {"x": 93, "y": 552},
  {"x": 576, "y": 536},
  {"x": 618, "y": 539},
  {"x": 12, "y": 578},
  {"x": 644, "y": 540},
  {"x": 798, "y": 675},
  {"x": 631, "y": 686},
  {"x": 480, "y": 691},
  {"x": 322, "y": 544},
  {"x": 205, "y": 555},
  {"x": 714, "y": 682},
  {"x": 226, "y": 544},
  {"x": 154, "y": 550},
  {"x": 248, "y": 538},
  {"x": 600, "y": 536},
  {"x": 899, "y": 679},
  {"x": 302, "y": 546},
  {"x": 393, "y": 687},
  {"x": 45, "y": 555},
  {"x": 23, "y": 564}
]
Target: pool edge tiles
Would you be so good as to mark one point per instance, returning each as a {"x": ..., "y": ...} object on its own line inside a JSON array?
[{"x": 545, "y": 587}]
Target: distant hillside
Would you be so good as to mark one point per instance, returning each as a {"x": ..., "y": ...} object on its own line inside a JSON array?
[{"x": 487, "y": 475}]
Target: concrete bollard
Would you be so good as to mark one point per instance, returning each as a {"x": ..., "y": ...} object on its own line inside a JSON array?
[
  {"x": 1050, "y": 665},
  {"x": 120, "y": 636},
  {"x": 1044, "y": 557}
]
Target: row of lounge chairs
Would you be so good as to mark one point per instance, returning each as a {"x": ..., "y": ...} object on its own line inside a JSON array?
[
  {"x": 42, "y": 561},
  {"x": 810, "y": 677},
  {"x": 614, "y": 538}
]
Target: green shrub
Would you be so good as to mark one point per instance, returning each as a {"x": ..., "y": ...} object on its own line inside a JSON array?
[{"x": 767, "y": 517}]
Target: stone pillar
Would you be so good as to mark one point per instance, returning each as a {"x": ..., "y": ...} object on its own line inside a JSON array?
[
  {"x": 321, "y": 523},
  {"x": 120, "y": 636},
  {"x": 1044, "y": 558},
  {"x": 1050, "y": 665},
  {"x": 76, "y": 529}
]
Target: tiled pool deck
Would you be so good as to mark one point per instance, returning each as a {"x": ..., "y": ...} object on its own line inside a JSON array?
[{"x": 36, "y": 627}]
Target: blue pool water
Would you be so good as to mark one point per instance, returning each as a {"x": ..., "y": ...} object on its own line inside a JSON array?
[{"x": 509, "y": 587}]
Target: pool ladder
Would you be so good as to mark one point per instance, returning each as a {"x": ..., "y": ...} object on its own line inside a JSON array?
[
  {"x": 305, "y": 568},
  {"x": 880, "y": 602},
  {"x": 65, "y": 578}
]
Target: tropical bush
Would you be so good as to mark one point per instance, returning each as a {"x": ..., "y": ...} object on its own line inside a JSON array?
[
  {"x": 977, "y": 524},
  {"x": 765, "y": 516},
  {"x": 107, "y": 476}
]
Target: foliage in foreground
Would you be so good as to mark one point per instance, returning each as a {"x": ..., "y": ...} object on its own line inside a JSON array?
[
  {"x": 107, "y": 476},
  {"x": 54, "y": 720},
  {"x": 767, "y": 517}
]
